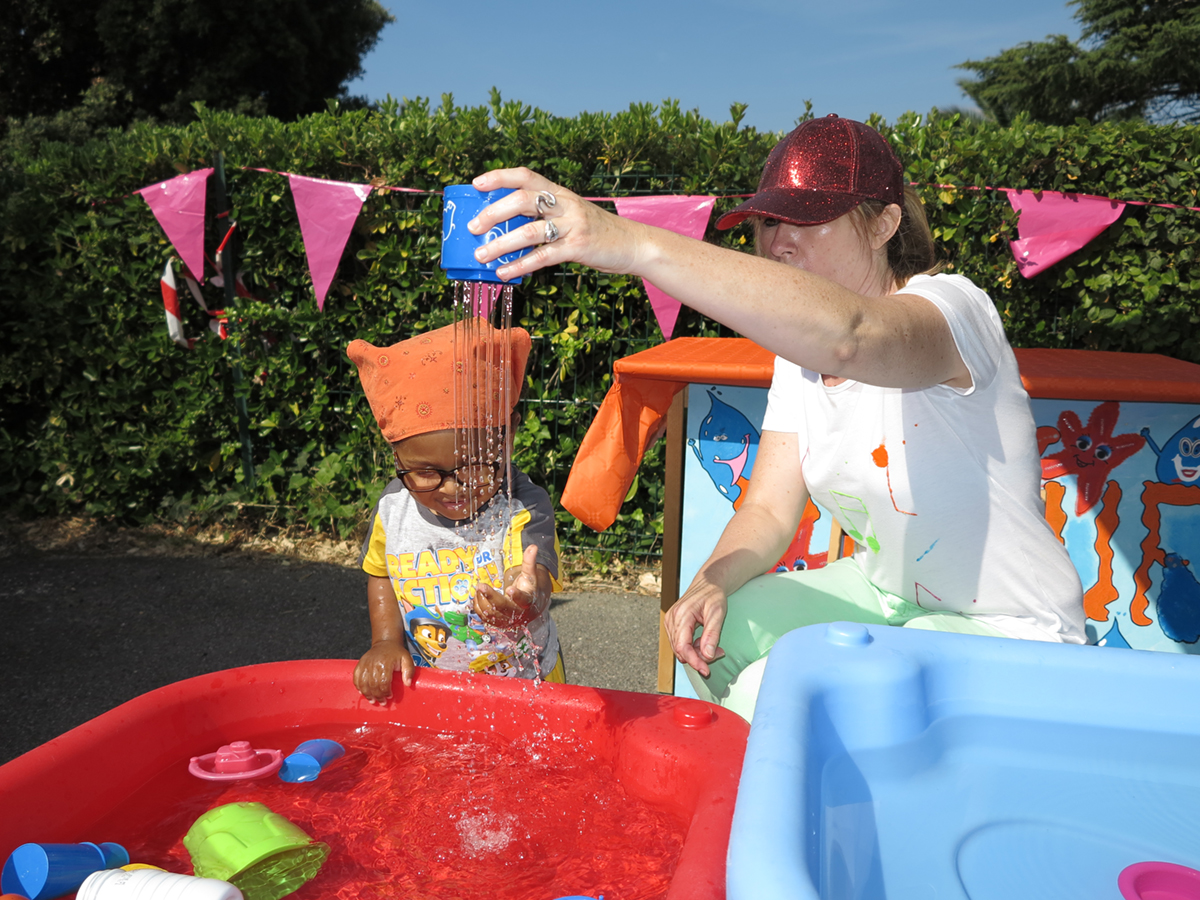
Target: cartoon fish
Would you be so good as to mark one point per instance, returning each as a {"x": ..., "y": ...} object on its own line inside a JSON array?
[
  {"x": 1179, "y": 458},
  {"x": 1179, "y": 601},
  {"x": 726, "y": 447}
]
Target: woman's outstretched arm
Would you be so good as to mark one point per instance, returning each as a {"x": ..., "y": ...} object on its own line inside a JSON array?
[{"x": 898, "y": 340}]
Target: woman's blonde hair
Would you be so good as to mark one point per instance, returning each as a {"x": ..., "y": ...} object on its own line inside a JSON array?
[{"x": 911, "y": 250}]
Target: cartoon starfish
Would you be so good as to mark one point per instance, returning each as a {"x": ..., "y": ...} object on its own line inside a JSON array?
[{"x": 1091, "y": 452}]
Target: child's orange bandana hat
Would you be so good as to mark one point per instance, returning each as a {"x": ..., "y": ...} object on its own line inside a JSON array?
[{"x": 455, "y": 377}]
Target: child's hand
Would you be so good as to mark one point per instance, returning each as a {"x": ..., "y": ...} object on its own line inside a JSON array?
[
  {"x": 521, "y": 601},
  {"x": 373, "y": 674}
]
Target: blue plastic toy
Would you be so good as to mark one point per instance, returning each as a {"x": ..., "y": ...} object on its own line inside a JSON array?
[
  {"x": 310, "y": 757},
  {"x": 460, "y": 204},
  {"x": 43, "y": 871}
]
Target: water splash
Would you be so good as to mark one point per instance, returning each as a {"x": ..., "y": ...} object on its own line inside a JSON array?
[
  {"x": 486, "y": 832},
  {"x": 484, "y": 395}
]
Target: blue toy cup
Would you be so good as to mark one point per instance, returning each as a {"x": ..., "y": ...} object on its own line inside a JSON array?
[
  {"x": 460, "y": 204},
  {"x": 43, "y": 871},
  {"x": 309, "y": 759},
  {"x": 115, "y": 855}
]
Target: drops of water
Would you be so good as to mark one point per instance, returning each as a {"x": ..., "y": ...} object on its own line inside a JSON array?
[{"x": 484, "y": 394}]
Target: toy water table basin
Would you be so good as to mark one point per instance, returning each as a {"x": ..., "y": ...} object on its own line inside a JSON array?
[
  {"x": 681, "y": 757},
  {"x": 895, "y": 763}
]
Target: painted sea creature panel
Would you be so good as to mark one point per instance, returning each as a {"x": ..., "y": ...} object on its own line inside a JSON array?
[
  {"x": 723, "y": 428},
  {"x": 1122, "y": 491},
  {"x": 1122, "y": 486}
]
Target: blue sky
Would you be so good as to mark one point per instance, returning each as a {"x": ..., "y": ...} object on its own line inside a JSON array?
[{"x": 852, "y": 57}]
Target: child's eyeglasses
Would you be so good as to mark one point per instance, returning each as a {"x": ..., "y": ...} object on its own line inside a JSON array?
[{"x": 421, "y": 481}]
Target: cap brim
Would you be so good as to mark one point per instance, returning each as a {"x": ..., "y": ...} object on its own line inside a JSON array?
[{"x": 798, "y": 207}]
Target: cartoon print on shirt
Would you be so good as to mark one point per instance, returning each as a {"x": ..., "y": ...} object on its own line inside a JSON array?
[
  {"x": 442, "y": 577},
  {"x": 436, "y": 588},
  {"x": 466, "y": 627},
  {"x": 1179, "y": 458},
  {"x": 1089, "y": 452},
  {"x": 429, "y": 633}
]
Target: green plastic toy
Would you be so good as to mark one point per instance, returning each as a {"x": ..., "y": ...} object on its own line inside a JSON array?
[{"x": 265, "y": 855}]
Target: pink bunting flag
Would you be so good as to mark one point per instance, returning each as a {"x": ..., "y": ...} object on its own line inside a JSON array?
[
  {"x": 178, "y": 204},
  {"x": 1054, "y": 225},
  {"x": 327, "y": 211},
  {"x": 683, "y": 215}
]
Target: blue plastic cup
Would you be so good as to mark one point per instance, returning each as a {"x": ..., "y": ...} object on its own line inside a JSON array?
[
  {"x": 309, "y": 759},
  {"x": 43, "y": 871},
  {"x": 115, "y": 855},
  {"x": 460, "y": 204}
]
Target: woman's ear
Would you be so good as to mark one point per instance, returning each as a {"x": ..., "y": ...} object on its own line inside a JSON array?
[{"x": 885, "y": 225}]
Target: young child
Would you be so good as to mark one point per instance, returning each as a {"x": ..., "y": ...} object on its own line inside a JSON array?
[{"x": 438, "y": 595}]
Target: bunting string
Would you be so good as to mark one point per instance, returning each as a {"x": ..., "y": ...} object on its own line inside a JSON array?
[{"x": 1052, "y": 224}]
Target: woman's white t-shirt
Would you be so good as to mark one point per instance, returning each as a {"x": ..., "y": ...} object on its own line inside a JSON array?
[{"x": 939, "y": 487}]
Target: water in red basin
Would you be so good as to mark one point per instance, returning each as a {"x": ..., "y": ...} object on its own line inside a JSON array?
[
  {"x": 460, "y": 787},
  {"x": 416, "y": 814}
]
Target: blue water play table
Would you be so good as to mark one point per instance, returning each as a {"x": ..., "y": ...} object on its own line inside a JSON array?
[{"x": 895, "y": 763}]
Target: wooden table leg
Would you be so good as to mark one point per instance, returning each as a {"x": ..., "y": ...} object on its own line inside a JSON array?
[{"x": 672, "y": 528}]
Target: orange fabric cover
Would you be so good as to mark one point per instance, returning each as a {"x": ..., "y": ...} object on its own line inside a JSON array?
[
  {"x": 634, "y": 412},
  {"x": 631, "y": 418}
]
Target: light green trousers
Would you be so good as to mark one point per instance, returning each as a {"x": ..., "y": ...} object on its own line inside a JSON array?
[{"x": 768, "y": 607}]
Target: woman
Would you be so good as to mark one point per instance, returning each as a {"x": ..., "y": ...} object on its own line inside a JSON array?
[{"x": 896, "y": 404}]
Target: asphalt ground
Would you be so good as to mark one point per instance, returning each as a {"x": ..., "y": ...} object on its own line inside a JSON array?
[{"x": 81, "y": 633}]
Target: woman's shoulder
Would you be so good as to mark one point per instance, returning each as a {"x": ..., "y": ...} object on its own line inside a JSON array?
[
  {"x": 958, "y": 297},
  {"x": 942, "y": 283}
]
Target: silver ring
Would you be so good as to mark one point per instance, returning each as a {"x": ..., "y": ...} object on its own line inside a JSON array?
[
  {"x": 544, "y": 201},
  {"x": 551, "y": 232}
]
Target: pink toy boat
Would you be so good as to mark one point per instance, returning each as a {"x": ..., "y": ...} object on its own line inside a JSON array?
[
  {"x": 1159, "y": 881},
  {"x": 237, "y": 761}
]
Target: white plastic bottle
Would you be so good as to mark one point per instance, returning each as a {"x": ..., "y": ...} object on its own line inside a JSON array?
[{"x": 150, "y": 884}]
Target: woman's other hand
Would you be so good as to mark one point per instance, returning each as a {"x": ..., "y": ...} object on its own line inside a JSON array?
[
  {"x": 566, "y": 228},
  {"x": 751, "y": 543},
  {"x": 703, "y": 605}
]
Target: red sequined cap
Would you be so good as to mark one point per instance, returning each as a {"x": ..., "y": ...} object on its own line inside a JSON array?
[{"x": 821, "y": 171}]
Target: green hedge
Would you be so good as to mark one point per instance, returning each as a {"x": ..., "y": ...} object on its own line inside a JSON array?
[{"x": 101, "y": 413}]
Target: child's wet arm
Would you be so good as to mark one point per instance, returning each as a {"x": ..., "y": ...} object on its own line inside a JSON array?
[{"x": 387, "y": 625}]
